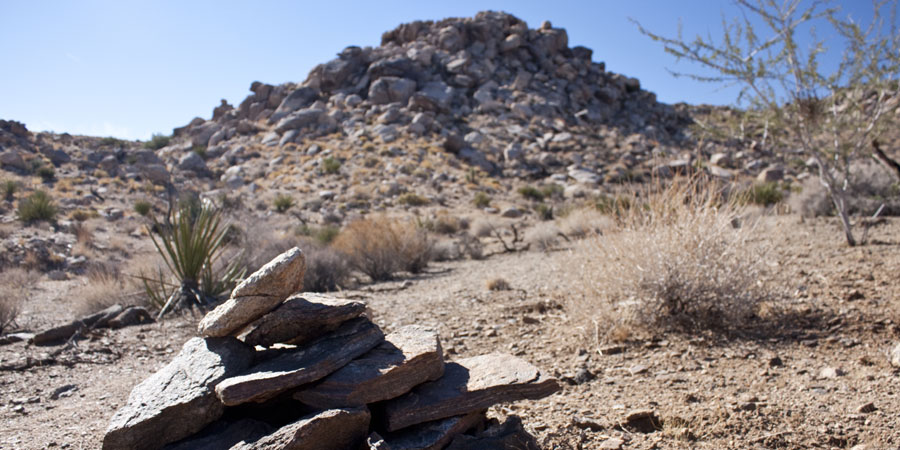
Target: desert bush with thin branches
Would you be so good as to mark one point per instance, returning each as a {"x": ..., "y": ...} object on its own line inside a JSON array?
[
  {"x": 380, "y": 246},
  {"x": 16, "y": 284},
  {"x": 677, "y": 262}
]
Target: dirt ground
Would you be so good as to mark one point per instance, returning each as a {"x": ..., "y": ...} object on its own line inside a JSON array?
[{"x": 819, "y": 379}]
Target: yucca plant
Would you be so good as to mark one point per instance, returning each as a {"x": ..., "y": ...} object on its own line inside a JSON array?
[{"x": 192, "y": 245}]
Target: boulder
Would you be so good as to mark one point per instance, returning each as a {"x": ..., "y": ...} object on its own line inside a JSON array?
[
  {"x": 335, "y": 429},
  {"x": 192, "y": 162},
  {"x": 178, "y": 400},
  {"x": 303, "y": 365},
  {"x": 299, "y": 98},
  {"x": 13, "y": 158},
  {"x": 300, "y": 319},
  {"x": 300, "y": 119},
  {"x": 155, "y": 173},
  {"x": 391, "y": 89},
  {"x": 409, "y": 356},
  {"x": 256, "y": 295},
  {"x": 433, "y": 435},
  {"x": 470, "y": 384}
]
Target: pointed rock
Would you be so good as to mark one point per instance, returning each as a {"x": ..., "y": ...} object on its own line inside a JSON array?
[
  {"x": 468, "y": 385},
  {"x": 433, "y": 435},
  {"x": 335, "y": 429},
  {"x": 178, "y": 400},
  {"x": 304, "y": 365},
  {"x": 258, "y": 294},
  {"x": 280, "y": 277},
  {"x": 409, "y": 356},
  {"x": 300, "y": 319}
]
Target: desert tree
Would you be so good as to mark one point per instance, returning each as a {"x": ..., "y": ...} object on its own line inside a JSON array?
[{"x": 791, "y": 90}]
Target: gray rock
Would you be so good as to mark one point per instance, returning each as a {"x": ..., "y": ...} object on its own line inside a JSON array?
[
  {"x": 509, "y": 435},
  {"x": 299, "y": 98},
  {"x": 178, "y": 400},
  {"x": 306, "y": 364},
  {"x": 155, "y": 173},
  {"x": 468, "y": 385},
  {"x": 13, "y": 158},
  {"x": 224, "y": 434},
  {"x": 300, "y": 319},
  {"x": 434, "y": 435},
  {"x": 256, "y": 295},
  {"x": 771, "y": 174},
  {"x": 193, "y": 162},
  {"x": 335, "y": 429},
  {"x": 512, "y": 213},
  {"x": 409, "y": 356},
  {"x": 584, "y": 176},
  {"x": 721, "y": 160},
  {"x": 391, "y": 89},
  {"x": 300, "y": 119}
]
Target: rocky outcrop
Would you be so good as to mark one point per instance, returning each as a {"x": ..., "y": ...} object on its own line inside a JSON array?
[{"x": 300, "y": 319}]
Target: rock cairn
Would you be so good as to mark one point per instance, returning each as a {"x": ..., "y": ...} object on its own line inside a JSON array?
[{"x": 276, "y": 369}]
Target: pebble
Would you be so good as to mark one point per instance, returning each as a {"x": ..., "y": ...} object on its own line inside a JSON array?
[{"x": 612, "y": 444}]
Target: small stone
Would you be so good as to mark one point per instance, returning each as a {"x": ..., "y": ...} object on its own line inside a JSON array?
[
  {"x": 776, "y": 362},
  {"x": 583, "y": 375},
  {"x": 642, "y": 420},
  {"x": 867, "y": 408},
  {"x": 588, "y": 423},
  {"x": 612, "y": 444},
  {"x": 637, "y": 369},
  {"x": 831, "y": 372},
  {"x": 895, "y": 355}
]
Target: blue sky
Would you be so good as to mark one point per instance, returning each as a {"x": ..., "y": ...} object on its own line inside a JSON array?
[{"x": 132, "y": 68}]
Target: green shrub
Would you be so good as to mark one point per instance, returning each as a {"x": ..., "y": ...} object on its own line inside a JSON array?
[
  {"x": 764, "y": 194},
  {"x": 37, "y": 207},
  {"x": 413, "y": 199},
  {"x": 283, "y": 202},
  {"x": 552, "y": 190},
  {"x": 157, "y": 141},
  {"x": 142, "y": 207},
  {"x": 9, "y": 189},
  {"x": 111, "y": 142},
  {"x": 331, "y": 165},
  {"x": 531, "y": 193},
  {"x": 46, "y": 173},
  {"x": 544, "y": 211},
  {"x": 192, "y": 245},
  {"x": 612, "y": 205},
  {"x": 481, "y": 200},
  {"x": 323, "y": 235},
  {"x": 200, "y": 150}
]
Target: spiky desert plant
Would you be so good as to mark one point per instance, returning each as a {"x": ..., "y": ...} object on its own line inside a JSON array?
[
  {"x": 192, "y": 245},
  {"x": 37, "y": 207}
]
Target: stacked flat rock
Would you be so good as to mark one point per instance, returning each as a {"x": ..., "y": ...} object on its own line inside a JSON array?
[{"x": 275, "y": 369}]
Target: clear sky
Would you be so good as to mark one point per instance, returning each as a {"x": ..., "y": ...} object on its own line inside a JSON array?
[{"x": 136, "y": 67}]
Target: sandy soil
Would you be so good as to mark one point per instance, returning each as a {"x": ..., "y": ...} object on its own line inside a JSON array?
[{"x": 820, "y": 379}]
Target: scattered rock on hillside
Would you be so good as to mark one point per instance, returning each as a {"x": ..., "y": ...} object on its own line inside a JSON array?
[
  {"x": 178, "y": 400},
  {"x": 409, "y": 356},
  {"x": 467, "y": 385}
]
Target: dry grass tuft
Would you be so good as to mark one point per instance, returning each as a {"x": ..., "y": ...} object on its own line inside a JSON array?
[
  {"x": 677, "y": 263},
  {"x": 107, "y": 285},
  {"x": 15, "y": 284},
  {"x": 543, "y": 236},
  {"x": 380, "y": 246},
  {"x": 585, "y": 222}
]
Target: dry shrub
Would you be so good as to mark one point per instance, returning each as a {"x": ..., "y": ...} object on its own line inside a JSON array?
[
  {"x": 581, "y": 223},
  {"x": 544, "y": 236},
  {"x": 326, "y": 269},
  {"x": 498, "y": 284},
  {"x": 15, "y": 284},
  {"x": 675, "y": 263},
  {"x": 107, "y": 285},
  {"x": 482, "y": 227},
  {"x": 380, "y": 246}
]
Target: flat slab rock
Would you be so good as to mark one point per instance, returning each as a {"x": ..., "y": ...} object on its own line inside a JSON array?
[
  {"x": 178, "y": 400},
  {"x": 224, "y": 435},
  {"x": 470, "y": 384},
  {"x": 334, "y": 429},
  {"x": 409, "y": 356},
  {"x": 433, "y": 435},
  {"x": 258, "y": 294},
  {"x": 510, "y": 434},
  {"x": 300, "y": 319},
  {"x": 304, "y": 365}
]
